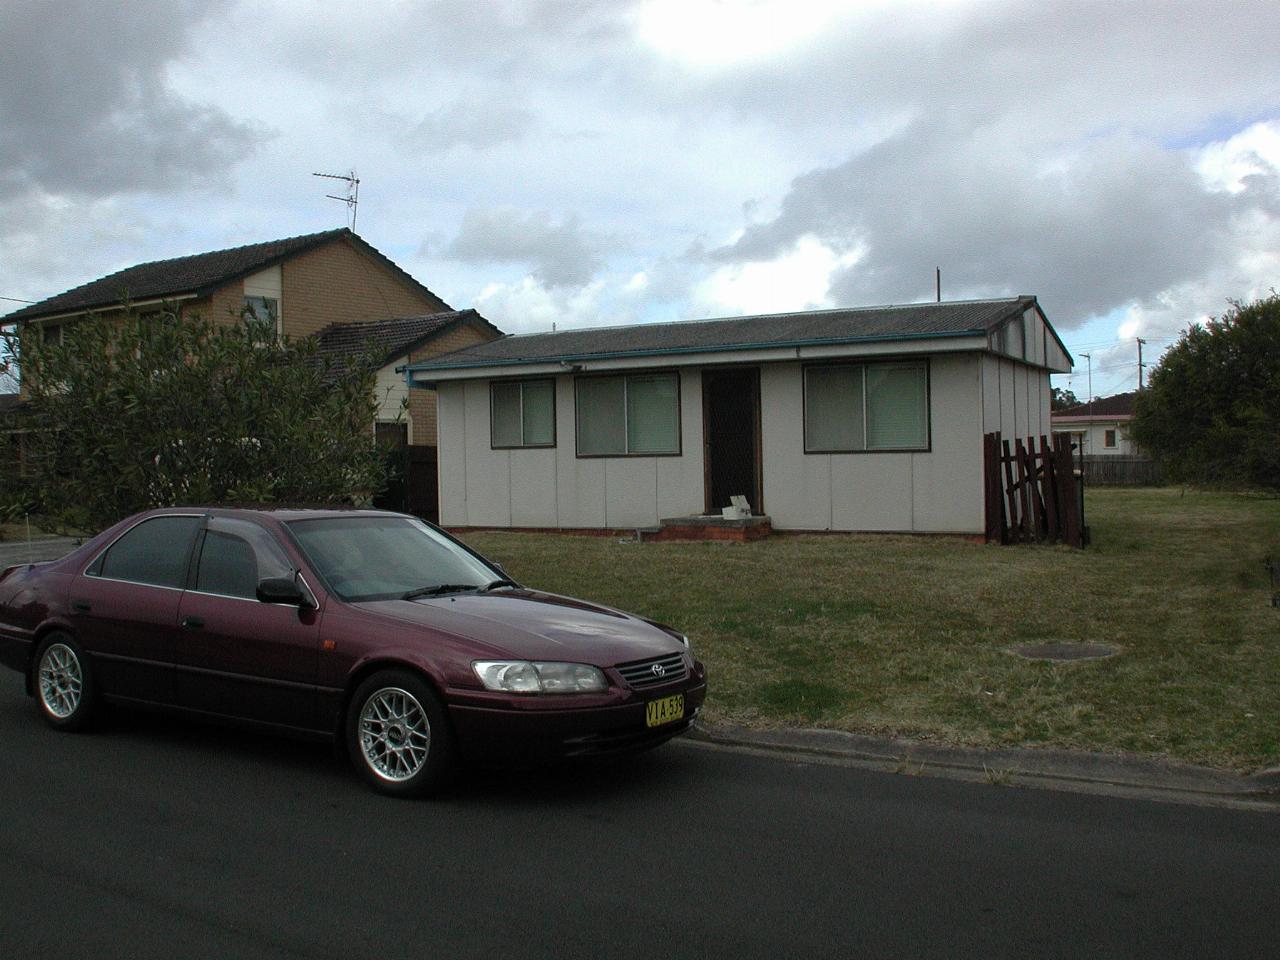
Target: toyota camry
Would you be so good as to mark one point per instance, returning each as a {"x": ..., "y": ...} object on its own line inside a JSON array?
[{"x": 371, "y": 627}]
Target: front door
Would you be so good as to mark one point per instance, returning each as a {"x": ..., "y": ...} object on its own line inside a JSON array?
[
  {"x": 237, "y": 656},
  {"x": 731, "y": 436}
]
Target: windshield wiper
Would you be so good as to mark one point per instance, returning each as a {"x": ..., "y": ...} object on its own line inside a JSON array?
[
  {"x": 437, "y": 589},
  {"x": 495, "y": 584}
]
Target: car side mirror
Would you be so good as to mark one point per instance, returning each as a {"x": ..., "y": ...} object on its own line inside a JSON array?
[{"x": 281, "y": 590}]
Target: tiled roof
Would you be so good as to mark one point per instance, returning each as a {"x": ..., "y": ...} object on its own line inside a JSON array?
[
  {"x": 1118, "y": 405},
  {"x": 385, "y": 340},
  {"x": 911, "y": 321},
  {"x": 199, "y": 273}
]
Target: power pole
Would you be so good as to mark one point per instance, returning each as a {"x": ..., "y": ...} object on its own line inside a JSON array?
[
  {"x": 1140, "y": 364},
  {"x": 1089, "y": 357}
]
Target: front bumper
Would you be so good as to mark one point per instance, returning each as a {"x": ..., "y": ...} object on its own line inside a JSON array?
[{"x": 503, "y": 735}]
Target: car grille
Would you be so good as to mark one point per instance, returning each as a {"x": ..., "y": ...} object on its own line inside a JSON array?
[{"x": 651, "y": 673}]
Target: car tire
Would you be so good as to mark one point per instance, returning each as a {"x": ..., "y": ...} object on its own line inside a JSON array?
[
  {"x": 398, "y": 735},
  {"x": 62, "y": 683}
]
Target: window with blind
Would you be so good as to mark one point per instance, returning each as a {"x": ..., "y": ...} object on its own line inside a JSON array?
[
  {"x": 522, "y": 413},
  {"x": 855, "y": 408},
  {"x": 635, "y": 415}
]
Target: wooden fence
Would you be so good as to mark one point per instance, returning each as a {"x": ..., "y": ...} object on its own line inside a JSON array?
[
  {"x": 1120, "y": 471},
  {"x": 1032, "y": 492}
]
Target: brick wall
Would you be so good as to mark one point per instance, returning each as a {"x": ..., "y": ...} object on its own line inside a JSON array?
[
  {"x": 337, "y": 283},
  {"x": 422, "y": 403}
]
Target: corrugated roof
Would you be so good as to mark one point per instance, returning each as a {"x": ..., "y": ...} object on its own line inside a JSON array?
[
  {"x": 385, "y": 340},
  {"x": 909, "y": 321},
  {"x": 198, "y": 273},
  {"x": 1117, "y": 405}
]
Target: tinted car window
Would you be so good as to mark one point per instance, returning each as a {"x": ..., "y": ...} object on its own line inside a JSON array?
[
  {"x": 235, "y": 555},
  {"x": 377, "y": 558},
  {"x": 155, "y": 551}
]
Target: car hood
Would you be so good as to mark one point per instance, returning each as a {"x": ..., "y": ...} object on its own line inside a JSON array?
[{"x": 530, "y": 625}]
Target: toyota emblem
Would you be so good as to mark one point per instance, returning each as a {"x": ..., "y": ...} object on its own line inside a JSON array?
[{"x": 658, "y": 670}]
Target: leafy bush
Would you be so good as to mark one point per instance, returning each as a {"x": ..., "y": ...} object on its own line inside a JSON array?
[
  {"x": 1212, "y": 411},
  {"x": 133, "y": 412}
]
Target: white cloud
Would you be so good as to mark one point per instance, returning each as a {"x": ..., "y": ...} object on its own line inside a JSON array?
[
  {"x": 798, "y": 279},
  {"x": 1254, "y": 151}
]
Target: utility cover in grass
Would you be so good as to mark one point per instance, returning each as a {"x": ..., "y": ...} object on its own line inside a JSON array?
[{"x": 1063, "y": 650}]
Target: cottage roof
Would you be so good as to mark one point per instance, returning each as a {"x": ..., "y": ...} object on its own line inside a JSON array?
[
  {"x": 1118, "y": 405},
  {"x": 908, "y": 321},
  {"x": 198, "y": 274},
  {"x": 340, "y": 343}
]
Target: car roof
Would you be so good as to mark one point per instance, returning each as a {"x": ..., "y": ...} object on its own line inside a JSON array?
[{"x": 283, "y": 514}]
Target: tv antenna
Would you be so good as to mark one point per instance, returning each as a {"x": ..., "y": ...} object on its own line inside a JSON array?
[{"x": 352, "y": 199}]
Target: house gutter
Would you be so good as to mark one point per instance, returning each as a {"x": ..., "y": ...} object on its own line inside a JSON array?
[{"x": 105, "y": 306}]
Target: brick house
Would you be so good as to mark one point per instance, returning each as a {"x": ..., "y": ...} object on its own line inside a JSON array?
[{"x": 333, "y": 282}]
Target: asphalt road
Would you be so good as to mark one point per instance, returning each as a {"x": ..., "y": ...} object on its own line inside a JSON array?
[{"x": 156, "y": 838}]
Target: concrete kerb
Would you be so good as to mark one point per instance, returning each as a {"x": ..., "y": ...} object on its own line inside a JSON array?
[{"x": 1048, "y": 768}]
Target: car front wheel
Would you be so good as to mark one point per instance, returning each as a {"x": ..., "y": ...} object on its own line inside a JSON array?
[
  {"x": 63, "y": 683},
  {"x": 398, "y": 735}
]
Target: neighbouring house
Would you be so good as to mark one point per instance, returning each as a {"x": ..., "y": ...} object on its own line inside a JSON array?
[
  {"x": 332, "y": 284},
  {"x": 1099, "y": 427},
  {"x": 301, "y": 284},
  {"x": 851, "y": 419},
  {"x": 1100, "y": 431},
  {"x": 406, "y": 418}
]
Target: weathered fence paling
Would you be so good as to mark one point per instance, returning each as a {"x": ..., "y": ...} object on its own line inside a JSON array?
[{"x": 1031, "y": 490}]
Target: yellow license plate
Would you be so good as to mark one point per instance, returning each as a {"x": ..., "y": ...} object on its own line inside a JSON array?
[{"x": 666, "y": 710}]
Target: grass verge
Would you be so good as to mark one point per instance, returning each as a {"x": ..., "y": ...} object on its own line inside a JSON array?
[{"x": 910, "y": 636}]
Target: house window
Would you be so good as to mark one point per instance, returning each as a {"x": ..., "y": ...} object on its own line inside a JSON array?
[
  {"x": 390, "y": 434},
  {"x": 634, "y": 415},
  {"x": 51, "y": 333},
  {"x": 264, "y": 311},
  {"x": 1109, "y": 438},
  {"x": 854, "y": 408},
  {"x": 522, "y": 413}
]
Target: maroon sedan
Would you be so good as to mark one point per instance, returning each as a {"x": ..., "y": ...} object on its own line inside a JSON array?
[{"x": 371, "y": 627}]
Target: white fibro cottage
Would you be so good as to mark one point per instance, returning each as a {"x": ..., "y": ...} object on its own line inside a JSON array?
[{"x": 850, "y": 419}]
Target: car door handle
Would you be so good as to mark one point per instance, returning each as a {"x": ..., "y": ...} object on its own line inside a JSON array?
[
  {"x": 193, "y": 623},
  {"x": 81, "y": 606}
]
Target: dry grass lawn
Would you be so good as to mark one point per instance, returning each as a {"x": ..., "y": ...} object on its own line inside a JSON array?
[{"x": 910, "y": 636}]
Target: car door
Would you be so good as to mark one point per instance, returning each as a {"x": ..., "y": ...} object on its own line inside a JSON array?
[
  {"x": 237, "y": 656},
  {"x": 124, "y": 606}
]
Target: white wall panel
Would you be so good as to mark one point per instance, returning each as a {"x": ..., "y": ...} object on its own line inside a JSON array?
[
  {"x": 533, "y": 488},
  {"x": 871, "y": 491},
  {"x": 452, "y": 453},
  {"x": 488, "y": 471},
  {"x": 631, "y": 492},
  {"x": 797, "y": 486},
  {"x": 947, "y": 493}
]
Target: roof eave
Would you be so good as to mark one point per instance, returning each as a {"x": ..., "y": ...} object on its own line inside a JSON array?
[{"x": 460, "y": 371}]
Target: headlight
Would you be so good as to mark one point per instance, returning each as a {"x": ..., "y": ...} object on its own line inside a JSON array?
[{"x": 523, "y": 676}]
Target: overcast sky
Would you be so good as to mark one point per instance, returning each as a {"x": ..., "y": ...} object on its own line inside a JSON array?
[{"x": 585, "y": 162}]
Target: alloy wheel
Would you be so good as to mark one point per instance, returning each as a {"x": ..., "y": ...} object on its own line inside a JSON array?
[
  {"x": 395, "y": 735},
  {"x": 61, "y": 681}
]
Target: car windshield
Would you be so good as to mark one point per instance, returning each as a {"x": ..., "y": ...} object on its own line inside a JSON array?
[{"x": 384, "y": 558}]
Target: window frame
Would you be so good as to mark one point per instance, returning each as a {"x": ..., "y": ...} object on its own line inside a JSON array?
[
  {"x": 197, "y": 555},
  {"x": 520, "y": 382},
  {"x": 277, "y": 322},
  {"x": 865, "y": 365},
  {"x": 625, "y": 376},
  {"x": 93, "y": 568},
  {"x": 1110, "y": 438}
]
